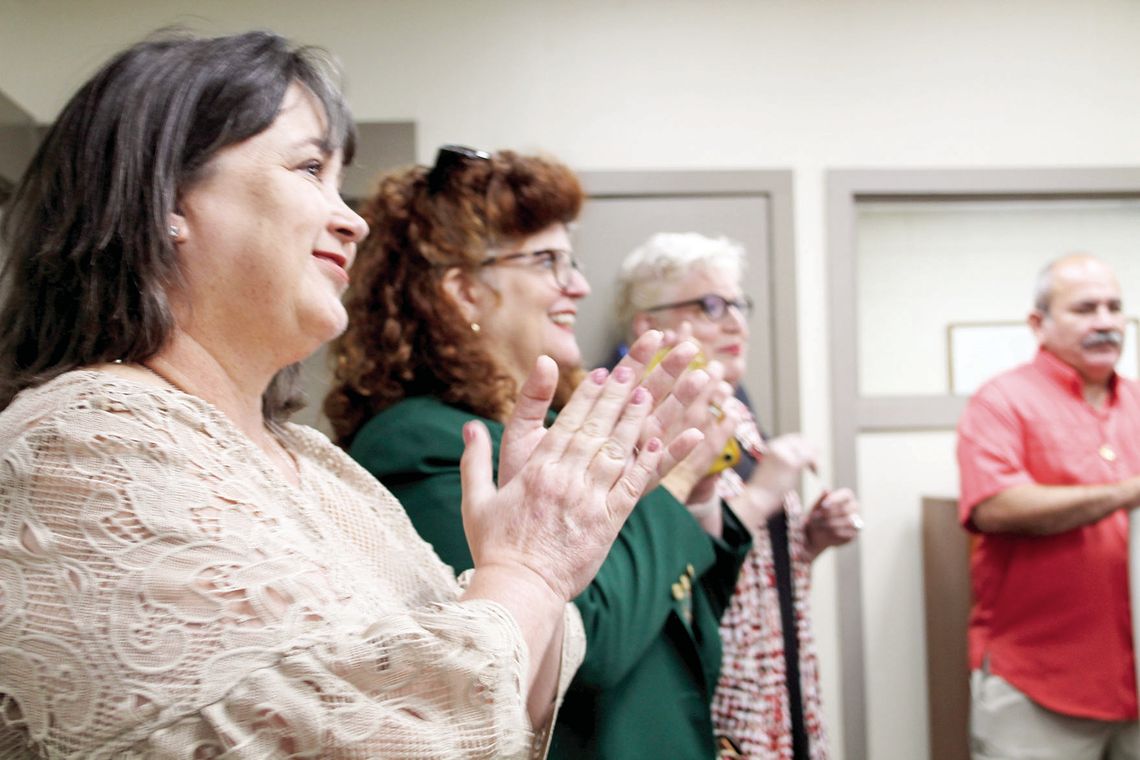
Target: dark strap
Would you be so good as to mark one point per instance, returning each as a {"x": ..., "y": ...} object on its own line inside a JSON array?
[{"x": 778, "y": 535}]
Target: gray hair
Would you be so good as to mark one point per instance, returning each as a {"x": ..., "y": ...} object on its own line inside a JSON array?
[
  {"x": 1043, "y": 292},
  {"x": 665, "y": 259}
]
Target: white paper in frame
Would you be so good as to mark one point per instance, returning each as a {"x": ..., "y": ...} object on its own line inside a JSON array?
[{"x": 977, "y": 351}]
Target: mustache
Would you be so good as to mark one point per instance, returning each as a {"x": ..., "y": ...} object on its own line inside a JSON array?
[{"x": 1103, "y": 338}]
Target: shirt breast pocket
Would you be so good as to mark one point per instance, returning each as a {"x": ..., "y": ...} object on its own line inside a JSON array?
[{"x": 1064, "y": 452}]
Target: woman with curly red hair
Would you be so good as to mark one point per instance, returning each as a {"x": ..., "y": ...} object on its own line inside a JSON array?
[{"x": 468, "y": 277}]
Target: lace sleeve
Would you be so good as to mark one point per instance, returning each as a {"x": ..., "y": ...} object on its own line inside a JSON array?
[
  {"x": 160, "y": 596},
  {"x": 424, "y": 686}
]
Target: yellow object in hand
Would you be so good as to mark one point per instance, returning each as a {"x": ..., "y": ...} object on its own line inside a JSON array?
[{"x": 730, "y": 454}]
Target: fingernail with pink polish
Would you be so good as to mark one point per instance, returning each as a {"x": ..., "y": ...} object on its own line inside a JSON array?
[
  {"x": 623, "y": 374},
  {"x": 599, "y": 375}
]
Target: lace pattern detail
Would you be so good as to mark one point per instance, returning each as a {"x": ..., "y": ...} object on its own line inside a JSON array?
[{"x": 164, "y": 593}]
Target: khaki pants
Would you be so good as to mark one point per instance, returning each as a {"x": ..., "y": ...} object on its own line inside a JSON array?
[{"x": 1007, "y": 725}]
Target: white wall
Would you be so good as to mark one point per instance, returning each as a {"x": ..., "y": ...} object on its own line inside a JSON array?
[
  {"x": 610, "y": 84},
  {"x": 924, "y": 266},
  {"x": 895, "y": 472}
]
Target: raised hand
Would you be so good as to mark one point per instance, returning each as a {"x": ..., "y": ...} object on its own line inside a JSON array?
[
  {"x": 668, "y": 407},
  {"x": 671, "y": 385},
  {"x": 712, "y": 413},
  {"x": 833, "y": 521},
  {"x": 557, "y": 516},
  {"x": 526, "y": 427},
  {"x": 778, "y": 473}
]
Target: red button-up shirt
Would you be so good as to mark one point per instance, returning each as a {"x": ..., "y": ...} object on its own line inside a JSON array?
[{"x": 1051, "y": 613}]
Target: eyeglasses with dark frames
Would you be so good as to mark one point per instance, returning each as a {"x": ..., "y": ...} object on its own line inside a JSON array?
[
  {"x": 447, "y": 160},
  {"x": 712, "y": 306},
  {"x": 559, "y": 261}
]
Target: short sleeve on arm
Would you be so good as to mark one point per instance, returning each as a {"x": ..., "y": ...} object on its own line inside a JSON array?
[
  {"x": 423, "y": 686},
  {"x": 991, "y": 451}
]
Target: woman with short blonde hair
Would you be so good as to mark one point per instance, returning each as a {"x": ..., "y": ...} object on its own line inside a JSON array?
[{"x": 767, "y": 700}]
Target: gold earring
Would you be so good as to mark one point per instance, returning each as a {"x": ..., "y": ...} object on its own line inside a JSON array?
[{"x": 475, "y": 327}]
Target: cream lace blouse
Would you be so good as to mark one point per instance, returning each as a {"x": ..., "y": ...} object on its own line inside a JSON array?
[{"x": 164, "y": 593}]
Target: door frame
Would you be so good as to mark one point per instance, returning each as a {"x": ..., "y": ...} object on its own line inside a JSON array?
[{"x": 775, "y": 187}]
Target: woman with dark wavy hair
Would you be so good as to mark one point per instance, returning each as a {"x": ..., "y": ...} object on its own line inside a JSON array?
[
  {"x": 183, "y": 573},
  {"x": 468, "y": 277}
]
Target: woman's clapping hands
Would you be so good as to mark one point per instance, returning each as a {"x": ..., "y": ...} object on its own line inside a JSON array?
[{"x": 564, "y": 492}]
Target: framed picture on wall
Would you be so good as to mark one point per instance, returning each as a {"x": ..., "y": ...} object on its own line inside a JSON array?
[{"x": 977, "y": 351}]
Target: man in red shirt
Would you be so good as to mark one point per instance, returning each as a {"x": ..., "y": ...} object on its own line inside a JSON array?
[{"x": 1049, "y": 457}]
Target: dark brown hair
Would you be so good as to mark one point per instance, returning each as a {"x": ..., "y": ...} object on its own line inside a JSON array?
[
  {"x": 405, "y": 336},
  {"x": 88, "y": 254}
]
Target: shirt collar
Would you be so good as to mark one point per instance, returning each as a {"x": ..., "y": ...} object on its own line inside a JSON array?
[{"x": 1067, "y": 377}]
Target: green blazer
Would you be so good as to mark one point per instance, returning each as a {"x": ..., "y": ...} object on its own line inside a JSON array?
[{"x": 651, "y": 614}]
